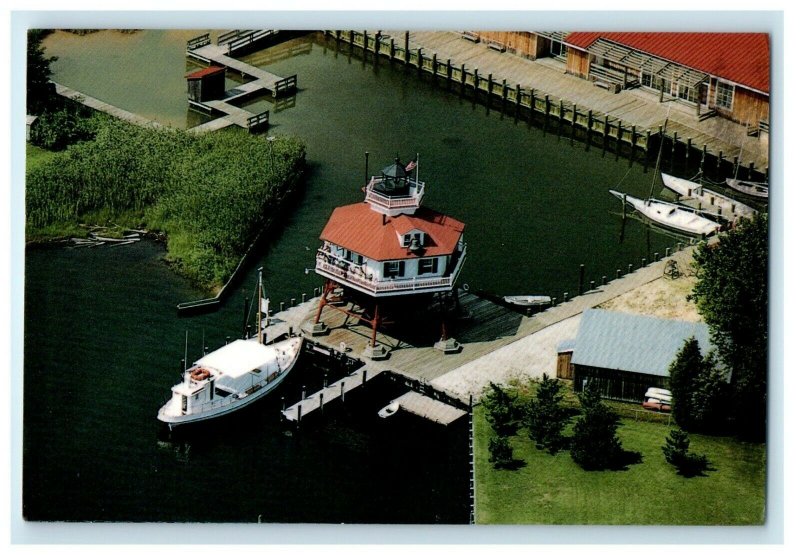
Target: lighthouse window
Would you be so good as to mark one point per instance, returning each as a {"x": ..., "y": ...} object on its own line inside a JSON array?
[
  {"x": 394, "y": 269},
  {"x": 408, "y": 237},
  {"x": 428, "y": 266}
]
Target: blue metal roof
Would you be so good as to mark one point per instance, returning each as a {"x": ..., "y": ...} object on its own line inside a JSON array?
[{"x": 634, "y": 343}]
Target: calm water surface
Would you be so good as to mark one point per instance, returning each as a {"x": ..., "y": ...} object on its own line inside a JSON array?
[{"x": 103, "y": 342}]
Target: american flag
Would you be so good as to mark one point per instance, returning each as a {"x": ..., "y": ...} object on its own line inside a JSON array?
[{"x": 411, "y": 165}]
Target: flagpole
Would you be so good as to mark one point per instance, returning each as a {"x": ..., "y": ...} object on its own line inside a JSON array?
[{"x": 417, "y": 168}]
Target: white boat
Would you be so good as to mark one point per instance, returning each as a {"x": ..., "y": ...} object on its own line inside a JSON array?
[
  {"x": 230, "y": 378},
  {"x": 658, "y": 391},
  {"x": 528, "y": 300},
  {"x": 752, "y": 188},
  {"x": 658, "y": 397},
  {"x": 670, "y": 215},
  {"x": 389, "y": 409},
  {"x": 683, "y": 187}
]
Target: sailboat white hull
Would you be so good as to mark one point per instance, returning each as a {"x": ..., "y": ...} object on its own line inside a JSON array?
[
  {"x": 752, "y": 188},
  {"x": 671, "y": 216}
]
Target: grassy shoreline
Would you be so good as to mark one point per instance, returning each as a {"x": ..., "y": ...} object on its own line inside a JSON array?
[
  {"x": 554, "y": 490},
  {"x": 207, "y": 196}
]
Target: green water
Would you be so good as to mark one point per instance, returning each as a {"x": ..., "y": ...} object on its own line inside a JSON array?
[{"x": 103, "y": 341}]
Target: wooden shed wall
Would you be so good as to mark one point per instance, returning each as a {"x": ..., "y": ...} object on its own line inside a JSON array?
[
  {"x": 522, "y": 43},
  {"x": 564, "y": 368},
  {"x": 578, "y": 62},
  {"x": 750, "y": 106}
]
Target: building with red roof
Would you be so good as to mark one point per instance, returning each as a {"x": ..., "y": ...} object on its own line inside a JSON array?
[
  {"x": 388, "y": 247},
  {"x": 728, "y": 73}
]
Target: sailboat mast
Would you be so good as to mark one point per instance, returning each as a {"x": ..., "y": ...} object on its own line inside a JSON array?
[
  {"x": 258, "y": 310},
  {"x": 658, "y": 158}
]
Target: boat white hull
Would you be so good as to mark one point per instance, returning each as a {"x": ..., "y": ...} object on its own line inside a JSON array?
[
  {"x": 231, "y": 403},
  {"x": 751, "y": 188},
  {"x": 683, "y": 187},
  {"x": 528, "y": 300},
  {"x": 671, "y": 216}
]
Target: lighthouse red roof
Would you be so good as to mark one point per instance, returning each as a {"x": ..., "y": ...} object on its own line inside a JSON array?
[
  {"x": 362, "y": 230},
  {"x": 742, "y": 58}
]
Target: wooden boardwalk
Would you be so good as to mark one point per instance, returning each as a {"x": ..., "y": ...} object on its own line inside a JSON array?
[
  {"x": 488, "y": 328},
  {"x": 428, "y": 408},
  {"x": 634, "y": 106},
  {"x": 632, "y": 116},
  {"x": 218, "y": 55},
  {"x": 105, "y": 107}
]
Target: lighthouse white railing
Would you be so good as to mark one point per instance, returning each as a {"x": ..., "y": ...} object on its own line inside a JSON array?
[
  {"x": 345, "y": 271},
  {"x": 415, "y": 188}
]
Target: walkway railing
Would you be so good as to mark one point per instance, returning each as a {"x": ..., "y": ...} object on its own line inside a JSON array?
[
  {"x": 416, "y": 191},
  {"x": 340, "y": 269}
]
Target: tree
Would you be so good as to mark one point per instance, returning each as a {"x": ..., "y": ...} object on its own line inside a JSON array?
[
  {"x": 546, "y": 416},
  {"x": 39, "y": 89},
  {"x": 731, "y": 295},
  {"x": 709, "y": 402},
  {"x": 595, "y": 445},
  {"x": 501, "y": 454},
  {"x": 682, "y": 373},
  {"x": 502, "y": 412},
  {"x": 676, "y": 452}
]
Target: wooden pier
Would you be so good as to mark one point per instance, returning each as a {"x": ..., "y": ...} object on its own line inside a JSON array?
[
  {"x": 105, "y": 107},
  {"x": 430, "y": 409},
  {"x": 492, "y": 335},
  {"x": 201, "y": 49},
  {"x": 631, "y": 117}
]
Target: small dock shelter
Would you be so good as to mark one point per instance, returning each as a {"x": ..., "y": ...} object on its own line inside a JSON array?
[
  {"x": 629, "y": 353},
  {"x": 206, "y": 84}
]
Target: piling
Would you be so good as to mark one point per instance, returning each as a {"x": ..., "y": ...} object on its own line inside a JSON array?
[
  {"x": 644, "y": 262},
  {"x": 581, "y": 273},
  {"x": 342, "y": 389},
  {"x": 293, "y": 301},
  {"x": 283, "y": 306},
  {"x": 321, "y": 403},
  {"x": 299, "y": 413},
  {"x": 667, "y": 252},
  {"x": 619, "y": 273},
  {"x": 604, "y": 280},
  {"x": 363, "y": 377},
  {"x": 303, "y": 393},
  {"x": 630, "y": 268},
  {"x": 302, "y": 297},
  {"x": 566, "y": 296},
  {"x": 591, "y": 285}
]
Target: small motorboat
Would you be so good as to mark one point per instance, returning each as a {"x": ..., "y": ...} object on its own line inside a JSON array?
[
  {"x": 661, "y": 395},
  {"x": 657, "y": 406},
  {"x": 527, "y": 301},
  {"x": 389, "y": 409}
]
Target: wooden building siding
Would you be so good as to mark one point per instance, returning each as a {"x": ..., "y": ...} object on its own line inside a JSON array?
[
  {"x": 578, "y": 62},
  {"x": 617, "y": 384},
  {"x": 522, "y": 43},
  {"x": 564, "y": 368},
  {"x": 749, "y": 107}
]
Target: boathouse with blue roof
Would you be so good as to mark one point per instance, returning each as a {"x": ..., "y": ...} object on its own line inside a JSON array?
[{"x": 628, "y": 353}]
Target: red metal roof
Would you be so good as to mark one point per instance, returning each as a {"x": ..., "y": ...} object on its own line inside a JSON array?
[
  {"x": 362, "y": 230},
  {"x": 742, "y": 58},
  {"x": 210, "y": 70}
]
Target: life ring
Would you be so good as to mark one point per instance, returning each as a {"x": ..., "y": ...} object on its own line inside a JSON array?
[
  {"x": 200, "y": 374},
  {"x": 465, "y": 287}
]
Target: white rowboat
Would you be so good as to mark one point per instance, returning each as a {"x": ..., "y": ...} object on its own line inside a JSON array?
[{"x": 752, "y": 188}]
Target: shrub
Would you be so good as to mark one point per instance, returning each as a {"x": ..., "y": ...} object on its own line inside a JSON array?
[
  {"x": 676, "y": 453},
  {"x": 501, "y": 454},
  {"x": 502, "y": 411},
  {"x": 546, "y": 416}
]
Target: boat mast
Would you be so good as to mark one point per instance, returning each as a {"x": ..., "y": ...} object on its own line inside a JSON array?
[
  {"x": 658, "y": 158},
  {"x": 258, "y": 310}
]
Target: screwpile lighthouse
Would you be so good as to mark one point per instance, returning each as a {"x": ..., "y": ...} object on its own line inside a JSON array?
[{"x": 388, "y": 252}]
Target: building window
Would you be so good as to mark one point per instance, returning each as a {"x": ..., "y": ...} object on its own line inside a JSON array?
[
  {"x": 394, "y": 269},
  {"x": 408, "y": 237},
  {"x": 557, "y": 49},
  {"x": 428, "y": 266},
  {"x": 724, "y": 98},
  {"x": 686, "y": 92},
  {"x": 647, "y": 80}
]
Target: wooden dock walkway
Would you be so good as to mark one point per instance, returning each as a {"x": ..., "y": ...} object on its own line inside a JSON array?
[
  {"x": 218, "y": 55},
  {"x": 542, "y": 86},
  {"x": 102, "y": 106},
  {"x": 428, "y": 408},
  {"x": 334, "y": 391},
  {"x": 488, "y": 328}
]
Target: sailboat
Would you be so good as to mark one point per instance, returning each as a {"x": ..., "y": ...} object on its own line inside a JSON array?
[
  {"x": 670, "y": 215},
  {"x": 233, "y": 376},
  {"x": 758, "y": 189}
]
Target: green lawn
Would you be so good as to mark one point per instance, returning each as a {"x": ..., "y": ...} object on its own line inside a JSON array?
[{"x": 554, "y": 490}]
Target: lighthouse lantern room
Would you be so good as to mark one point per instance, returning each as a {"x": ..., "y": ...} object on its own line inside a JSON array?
[{"x": 388, "y": 247}]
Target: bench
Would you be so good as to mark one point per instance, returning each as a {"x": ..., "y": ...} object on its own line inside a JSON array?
[{"x": 470, "y": 36}]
